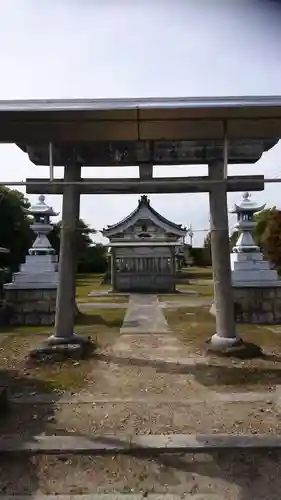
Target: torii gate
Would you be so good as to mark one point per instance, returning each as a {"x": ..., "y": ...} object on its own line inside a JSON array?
[{"x": 143, "y": 132}]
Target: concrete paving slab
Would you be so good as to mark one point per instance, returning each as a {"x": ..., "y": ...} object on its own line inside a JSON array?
[
  {"x": 141, "y": 444},
  {"x": 144, "y": 315}
]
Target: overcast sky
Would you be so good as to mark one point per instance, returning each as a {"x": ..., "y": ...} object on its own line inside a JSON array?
[{"x": 140, "y": 48}]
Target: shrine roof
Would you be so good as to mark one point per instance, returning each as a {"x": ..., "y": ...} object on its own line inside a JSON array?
[{"x": 132, "y": 218}]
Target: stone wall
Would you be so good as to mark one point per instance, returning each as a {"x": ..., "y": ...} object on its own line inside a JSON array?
[
  {"x": 257, "y": 305},
  {"x": 32, "y": 307}
]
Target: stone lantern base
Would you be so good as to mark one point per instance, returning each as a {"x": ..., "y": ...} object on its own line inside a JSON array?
[
  {"x": 259, "y": 304},
  {"x": 29, "y": 306}
]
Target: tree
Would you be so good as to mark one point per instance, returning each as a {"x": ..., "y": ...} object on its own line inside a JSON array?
[
  {"x": 262, "y": 220},
  {"x": 15, "y": 231},
  {"x": 207, "y": 241},
  {"x": 271, "y": 238},
  {"x": 93, "y": 260},
  {"x": 91, "y": 257},
  {"x": 233, "y": 238},
  {"x": 83, "y": 241}
]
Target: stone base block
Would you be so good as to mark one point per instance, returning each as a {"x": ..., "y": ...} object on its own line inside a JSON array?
[
  {"x": 32, "y": 307},
  {"x": 257, "y": 305},
  {"x": 52, "y": 352},
  {"x": 240, "y": 349}
]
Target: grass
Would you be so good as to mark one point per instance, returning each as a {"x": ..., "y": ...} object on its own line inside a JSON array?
[
  {"x": 205, "y": 289},
  {"x": 195, "y": 325},
  {"x": 106, "y": 318},
  {"x": 199, "y": 272},
  {"x": 201, "y": 290},
  {"x": 87, "y": 283}
]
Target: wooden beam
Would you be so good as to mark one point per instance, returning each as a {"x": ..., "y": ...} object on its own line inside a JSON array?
[
  {"x": 146, "y": 171},
  {"x": 66, "y": 131},
  {"x": 136, "y": 186}
]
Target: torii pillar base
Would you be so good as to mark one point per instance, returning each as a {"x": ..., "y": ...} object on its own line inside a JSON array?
[
  {"x": 240, "y": 349},
  {"x": 60, "y": 349}
]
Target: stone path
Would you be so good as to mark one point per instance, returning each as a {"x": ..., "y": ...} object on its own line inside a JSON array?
[{"x": 144, "y": 315}]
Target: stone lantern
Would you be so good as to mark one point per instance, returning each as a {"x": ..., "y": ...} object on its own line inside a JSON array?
[
  {"x": 32, "y": 293},
  {"x": 247, "y": 263},
  {"x": 42, "y": 257}
]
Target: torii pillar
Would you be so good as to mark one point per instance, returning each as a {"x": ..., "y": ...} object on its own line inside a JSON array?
[
  {"x": 225, "y": 339},
  {"x": 65, "y": 302},
  {"x": 225, "y": 335}
]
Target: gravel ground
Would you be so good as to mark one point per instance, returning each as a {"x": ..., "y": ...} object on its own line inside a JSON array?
[
  {"x": 235, "y": 476},
  {"x": 126, "y": 380},
  {"x": 152, "y": 418},
  {"x": 149, "y": 418}
]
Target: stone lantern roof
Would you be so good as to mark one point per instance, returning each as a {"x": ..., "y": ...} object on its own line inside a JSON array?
[
  {"x": 41, "y": 208},
  {"x": 247, "y": 205}
]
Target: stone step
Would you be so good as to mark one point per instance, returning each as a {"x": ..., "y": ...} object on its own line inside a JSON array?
[{"x": 139, "y": 444}]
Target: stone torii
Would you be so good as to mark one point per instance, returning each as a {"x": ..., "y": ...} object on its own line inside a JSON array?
[{"x": 144, "y": 132}]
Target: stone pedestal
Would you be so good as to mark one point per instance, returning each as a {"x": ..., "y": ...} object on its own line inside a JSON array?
[
  {"x": 250, "y": 268},
  {"x": 32, "y": 307},
  {"x": 37, "y": 271},
  {"x": 257, "y": 304}
]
